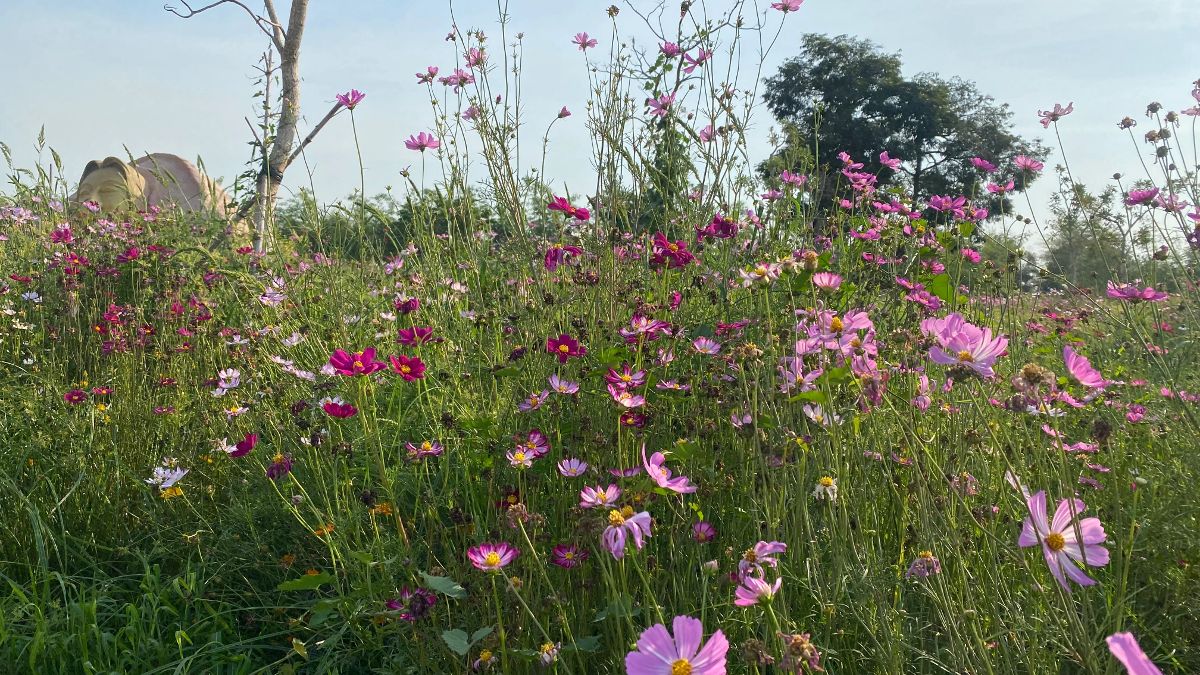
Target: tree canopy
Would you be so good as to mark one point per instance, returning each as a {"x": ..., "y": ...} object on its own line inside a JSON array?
[{"x": 845, "y": 94}]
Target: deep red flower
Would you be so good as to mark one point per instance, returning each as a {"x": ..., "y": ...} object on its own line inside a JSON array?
[
  {"x": 244, "y": 446},
  {"x": 409, "y": 367},
  {"x": 75, "y": 396}
]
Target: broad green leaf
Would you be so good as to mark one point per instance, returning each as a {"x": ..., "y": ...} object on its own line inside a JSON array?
[
  {"x": 308, "y": 582},
  {"x": 457, "y": 641},
  {"x": 444, "y": 585}
]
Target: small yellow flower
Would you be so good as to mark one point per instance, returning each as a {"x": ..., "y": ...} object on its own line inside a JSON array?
[{"x": 171, "y": 492}]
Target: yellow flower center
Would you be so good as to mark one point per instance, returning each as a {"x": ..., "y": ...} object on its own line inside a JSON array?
[
  {"x": 358, "y": 364},
  {"x": 569, "y": 555},
  {"x": 836, "y": 325},
  {"x": 485, "y": 656},
  {"x": 965, "y": 355},
  {"x": 617, "y": 518},
  {"x": 405, "y": 369},
  {"x": 548, "y": 648},
  {"x": 674, "y": 247},
  {"x": 1055, "y": 542},
  {"x": 426, "y": 446},
  {"x": 564, "y": 349},
  {"x": 928, "y": 555},
  {"x": 626, "y": 377},
  {"x": 518, "y": 456},
  {"x": 826, "y": 482},
  {"x": 278, "y": 458},
  {"x": 492, "y": 559},
  {"x": 681, "y": 667}
]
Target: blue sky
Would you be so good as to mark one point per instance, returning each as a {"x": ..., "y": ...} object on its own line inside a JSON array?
[{"x": 100, "y": 74}]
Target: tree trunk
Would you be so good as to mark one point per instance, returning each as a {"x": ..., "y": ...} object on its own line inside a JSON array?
[{"x": 267, "y": 187}]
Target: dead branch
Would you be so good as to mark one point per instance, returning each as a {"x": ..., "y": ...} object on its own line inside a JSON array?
[
  {"x": 312, "y": 134},
  {"x": 275, "y": 33}
]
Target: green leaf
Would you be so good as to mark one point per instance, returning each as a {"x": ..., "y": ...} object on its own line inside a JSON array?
[
  {"x": 444, "y": 585},
  {"x": 940, "y": 286},
  {"x": 308, "y": 582},
  {"x": 620, "y": 607},
  {"x": 480, "y": 634},
  {"x": 590, "y": 643},
  {"x": 815, "y": 395},
  {"x": 457, "y": 641},
  {"x": 507, "y": 372},
  {"x": 966, "y": 228}
]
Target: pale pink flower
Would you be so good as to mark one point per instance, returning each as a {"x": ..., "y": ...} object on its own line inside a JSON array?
[
  {"x": 1063, "y": 540},
  {"x": 422, "y": 141},
  {"x": 1126, "y": 649},
  {"x": 1050, "y": 116}
]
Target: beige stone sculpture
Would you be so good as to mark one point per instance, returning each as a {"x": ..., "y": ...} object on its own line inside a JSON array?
[{"x": 158, "y": 179}]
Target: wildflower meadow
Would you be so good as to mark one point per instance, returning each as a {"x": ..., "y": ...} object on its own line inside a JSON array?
[{"x": 720, "y": 411}]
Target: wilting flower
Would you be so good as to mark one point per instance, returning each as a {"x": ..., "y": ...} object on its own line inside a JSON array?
[
  {"x": 583, "y": 41},
  {"x": 1049, "y": 116},
  {"x": 1060, "y": 539},
  {"x": 408, "y": 367},
  {"x": 572, "y": 467},
  {"x": 657, "y": 469},
  {"x": 799, "y": 652},
  {"x": 1127, "y": 650},
  {"x": 492, "y": 557},
  {"x": 599, "y": 497},
  {"x": 336, "y": 407},
  {"x": 564, "y": 347},
  {"x": 356, "y": 363},
  {"x": 352, "y": 98},
  {"x": 533, "y": 401},
  {"x": 622, "y": 524},
  {"x": 281, "y": 465},
  {"x": 548, "y": 652},
  {"x": 658, "y": 653},
  {"x": 422, "y": 141},
  {"x": 826, "y": 489},
  {"x": 564, "y": 113},
  {"x": 923, "y": 566},
  {"x": 754, "y": 590},
  {"x": 568, "y": 556},
  {"x": 413, "y": 605}
]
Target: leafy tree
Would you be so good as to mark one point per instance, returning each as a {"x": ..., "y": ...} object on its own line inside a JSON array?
[{"x": 845, "y": 94}]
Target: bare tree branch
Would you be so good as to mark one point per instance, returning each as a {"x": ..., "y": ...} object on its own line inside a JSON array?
[
  {"x": 280, "y": 33},
  {"x": 275, "y": 33},
  {"x": 313, "y": 134}
]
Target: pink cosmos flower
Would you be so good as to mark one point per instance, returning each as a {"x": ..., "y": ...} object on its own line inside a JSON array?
[
  {"x": 564, "y": 347},
  {"x": 719, "y": 227},
  {"x": 422, "y": 141},
  {"x": 706, "y": 134},
  {"x": 797, "y": 180},
  {"x": 622, "y": 525},
  {"x": 519, "y": 458},
  {"x": 658, "y": 653},
  {"x": 983, "y": 165},
  {"x": 961, "y": 343},
  {"x": 492, "y": 557},
  {"x": 417, "y": 335},
  {"x": 762, "y": 553},
  {"x": 561, "y": 386},
  {"x": 1081, "y": 369},
  {"x": 945, "y": 203},
  {"x": 892, "y": 163},
  {"x": 694, "y": 62},
  {"x": 458, "y": 79},
  {"x": 408, "y": 367},
  {"x": 656, "y": 468},
  {"x": 754, "y": 590},
  {"x": 75, "y": 396},
  {"x": 533, "y": 401},
  {"x": 1049, "y": 116},
  {"x": 1028, "y": 164},
  {"x": 626, "y": 398},
  {"x": 599, "y": 497},
  {"x": 561, "y": 204},
  {"x": 427, "y": 76},
  {"x": 660, "y": 106},
  {"x": 568, "y": 556},
  {"x": 1060, "y": 539},
  {"x": 703, "y": 532},
  {"x": 672, "y": 254},
  {"x": 475, "y": 57},
  {"x": 1127, "y": 650},
  {"x": 425, "y": 449},
  {"x": 572, "y": 467},
  {"x": 355, "y": 363},
  {"x": 827, "y": 281},
  {"x": 626, "y": 378},
  {"x": 556, "y": 254},
  {"x": 707, "y": 346},
  {"x": 669, "y": 49},
  {"x": 1132, "y": 293},
  {"x": 786, "y": 6},
  {"x": 996, "y": 188},
  {"x": 351, "y": 98},
  {"x": 1140, "y": 197},
  {"x": 583, "y": 41}
]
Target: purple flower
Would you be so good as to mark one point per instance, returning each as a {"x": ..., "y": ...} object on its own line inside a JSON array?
[
  {"x": 351, "y": 98},
  {"x": 572, "y": 467},
  {"x": 703, "y": 532},
  {"x": 1140, "y": 197},
  {"x": 923, "y": 566},
  {"x": 568, "y": 556},
  {"x": 413, "y": 605}
]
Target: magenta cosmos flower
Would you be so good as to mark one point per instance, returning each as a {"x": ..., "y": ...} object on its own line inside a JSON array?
[
  {"x": 75, "y": 396},
  {"x": 568, "y": 556},
  {"x": 1140, "y": 197},
  {"x": 336, "y": 407},
  {"x": 556, "y": 254},
  {"x": 492, "y": 557},
  {"x": 1060, "y": 539},
  {"x": 351, "y": 98},
  {"x": 787, "y": 5},
  {"x": 408, "y": 367},
  {"x": 1029, "y": 164},
  {"x": 423, "y": 141},
  {"x": 562, "y": 205},
  {"x": 656, "y": 468},
  {"x": 243, "y": 447},
  {"x": 1126, "y": 649},
  {"x": 595, "y": 497},
  {"x": 621, "y": 525},
  {"x": 961, "y": 343},
  {"x": 355, "y": 363},
  {"x": 658, "y": 653},
  {"x": 564, "y": 347}
]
